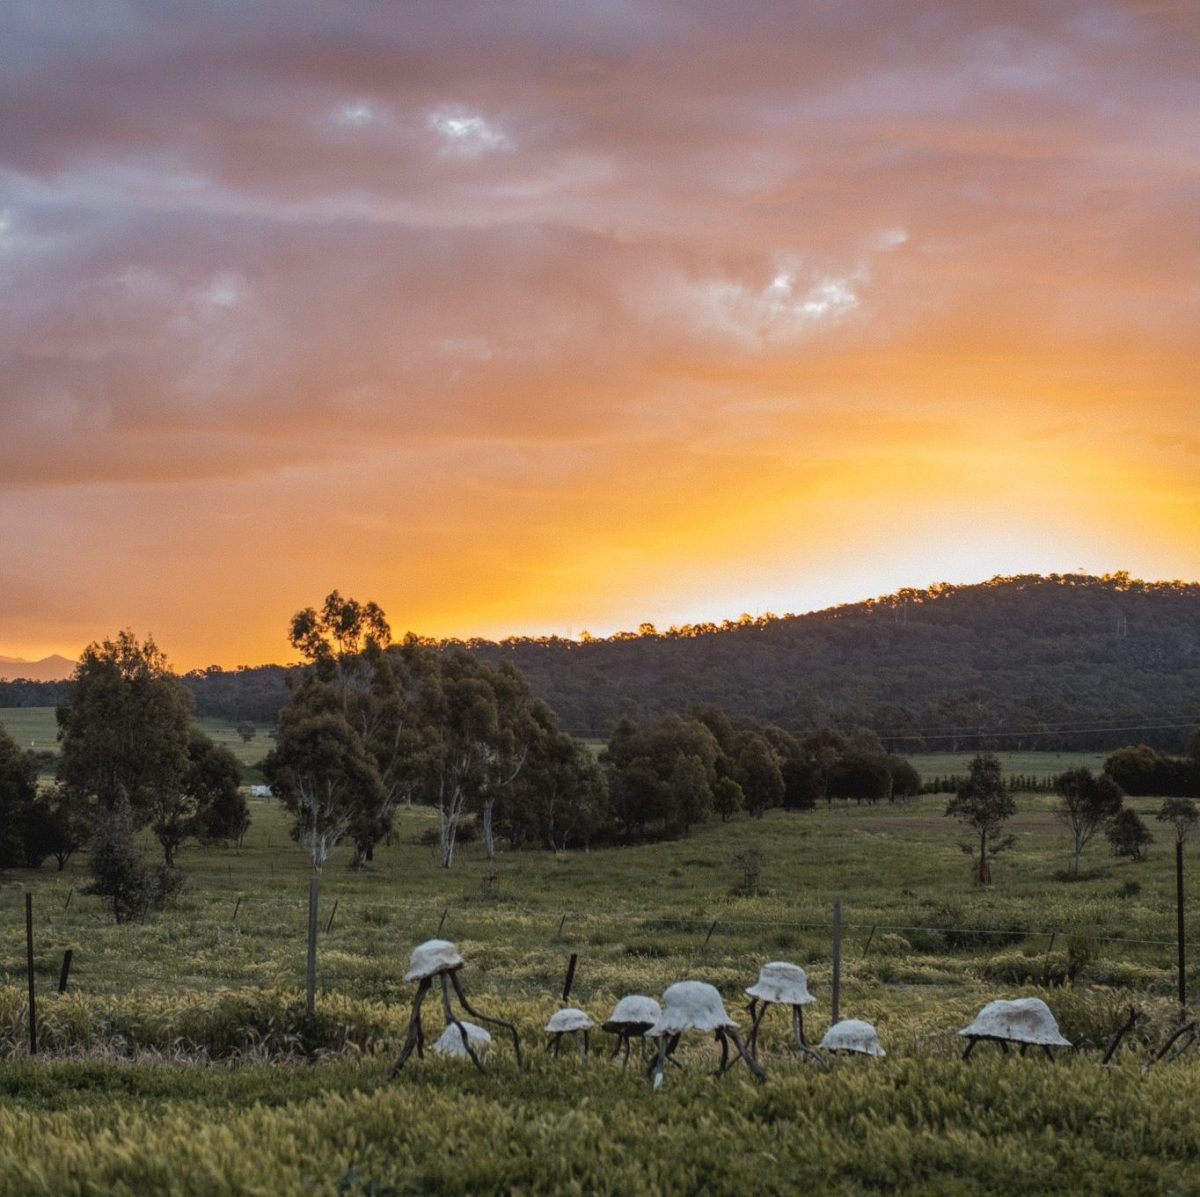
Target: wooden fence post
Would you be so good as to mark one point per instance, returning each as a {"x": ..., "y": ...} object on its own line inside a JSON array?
[
  {"x": 1179, "y": 929},
  {"x": 314, "y": 890},
  {"x": 66, "y": 970},
  {"x": 29, "y": 970},
  {"x": 570, "y": 976}
]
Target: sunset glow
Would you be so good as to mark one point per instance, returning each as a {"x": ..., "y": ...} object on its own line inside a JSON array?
[{"x": 539, "y": 317}]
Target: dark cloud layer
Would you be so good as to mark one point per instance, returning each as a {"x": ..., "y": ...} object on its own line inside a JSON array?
[{"x": 240, "y": 242}]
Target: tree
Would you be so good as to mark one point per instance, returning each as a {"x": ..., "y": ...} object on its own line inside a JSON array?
[
  {"x": 1181, "y": 814},
  {"x": 214, "y": 786},
  {"x": 728, "y": 798},
  {"x": 756, "y": 770},
  {"x": 863, "y": 776},
  {"x": 1128, "y": 835},
  {"x": 906, "y": 781},
  {"x": 324, "y": 777},
  {"x": 693, "y": 795},
  {"x": 984, "y": 803},
  {"x": 68, "y": 823},
  {"x": 18, "y": 791},
  {"x": 247, "y": 731},
  {"x": 1137, "y": 770},
  {"x": 119, "y": 874},
  {"x": 126, "y": 728},
  {"x": 1085, "y": 804}
]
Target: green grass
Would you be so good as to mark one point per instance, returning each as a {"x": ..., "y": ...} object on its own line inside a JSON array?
[
  {"x": 176, "y": 1057},
  {"x": 36, "y": 728},
  {"x": 1025, "y": 764}
]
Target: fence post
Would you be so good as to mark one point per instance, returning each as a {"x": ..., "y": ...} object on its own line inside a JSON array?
[
  {"x": 710, "y": 931},
  {"x": 837, "y": 958},
  {"x": 29, "y": 970},
  {"x": 236, "y": 907},
  {"x": 332, "y": 914},
  {"x": 570, "y": 976},
  {"x": 1179, "y": 928},
  {"x": 314, "y": 890},
  {"x": 442, "y": 921},
  {"x": 869, "y": 938},
  {"x": 66, "y": 970}
]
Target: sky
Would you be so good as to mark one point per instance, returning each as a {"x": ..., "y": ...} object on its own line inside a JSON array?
[{"x": 551, "y": 315}]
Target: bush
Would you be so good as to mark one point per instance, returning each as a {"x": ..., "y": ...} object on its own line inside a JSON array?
[{"x": 119, "y": 873}]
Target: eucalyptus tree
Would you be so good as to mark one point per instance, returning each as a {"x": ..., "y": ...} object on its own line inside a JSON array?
[
  {"x": 984, "y": 803},
  {"x": 1085, "y": 804}
]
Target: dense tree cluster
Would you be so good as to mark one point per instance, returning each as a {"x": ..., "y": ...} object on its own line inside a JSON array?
[
  {"x": 371, "y": 724},
  {"x": 670, "y": 774}
]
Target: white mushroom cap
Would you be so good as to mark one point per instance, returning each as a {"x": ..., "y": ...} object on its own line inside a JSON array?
[
  {"x": 853, "y": 1035},
  {"x": 634, "y": 1010},
  {"x": 1025, "y": 1020},
  {"x": 691, "y": 1006},
  {"x": 782, "y": 982},
  {"x": 432, "y": 957},
  {"x": 451, "y": 1044},
  {"x": 570, "y": 1019}
]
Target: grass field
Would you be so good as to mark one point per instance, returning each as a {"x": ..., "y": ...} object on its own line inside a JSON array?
[
  {"x": 177, "y": 1058},
  {"x": 36, "y": 728}
]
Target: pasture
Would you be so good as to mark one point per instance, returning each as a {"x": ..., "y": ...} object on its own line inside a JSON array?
[
  {"x": 181, "y": 1061},
  {"x": 36, "y": 728}
]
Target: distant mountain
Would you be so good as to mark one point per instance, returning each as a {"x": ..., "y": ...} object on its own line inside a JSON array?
[{"x": 48, "y": 669}]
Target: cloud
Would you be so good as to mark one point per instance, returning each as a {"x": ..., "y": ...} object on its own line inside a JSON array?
[
  {"x": 246, "y": 244},
  {"x": 465, "y": 134}
]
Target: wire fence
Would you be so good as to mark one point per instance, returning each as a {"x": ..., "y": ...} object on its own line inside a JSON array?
[{"x": 230, "y": 959}]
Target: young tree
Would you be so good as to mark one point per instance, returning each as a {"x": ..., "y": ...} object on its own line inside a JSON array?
[
  {"x": 1181, "y": 814},
  {"x": 119, "y": 874},
  {"x": 69, "y": 822},
  {"x": 1128, "y": 835},
  {"x": 984, "y": 804},
  {"x": 1085, "y": 804}
]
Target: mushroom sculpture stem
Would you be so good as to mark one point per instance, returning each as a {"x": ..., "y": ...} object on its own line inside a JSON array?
[{"x": 439, "y": 958}]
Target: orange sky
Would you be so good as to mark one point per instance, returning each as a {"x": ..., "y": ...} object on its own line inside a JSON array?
[{"x": 539, "y": 317}]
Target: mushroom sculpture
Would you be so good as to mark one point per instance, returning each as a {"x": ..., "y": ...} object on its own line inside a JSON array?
[
  {"x": 633, "y": 1015},
  {"x": 451, "y": 1041},
  {"x": 781, "y": 984},
  {"x": 440, "y": 958},
  {"x": 852, "y": 1035},
  {"x": 571, "y": 1021},
  {"x": 1026, "y": 1021},
  {"x": 696, "y": 1006}
]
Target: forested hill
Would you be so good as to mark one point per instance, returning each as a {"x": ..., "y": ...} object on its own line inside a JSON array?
[
  {"x": 1009, "y": 663},
  {"x": 1066, "y": 661}
]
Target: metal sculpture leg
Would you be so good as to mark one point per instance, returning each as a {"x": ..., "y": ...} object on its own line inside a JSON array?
[
  {"x": 654, "y": 1071},
  {"x": 415, "y": 1036},
  {"x": 466, "y": 1005},
  {"x": 969, "y": 1049},
  {"x": 723, "y": 1067},
  {"x": 757, "y": 1013},
  {"x": 451, "y": 1020},
  {"x": 584, "y": 1046},
  {"x": 1122, "y": 1031},
  {"x": 751, "y": 1062}
]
